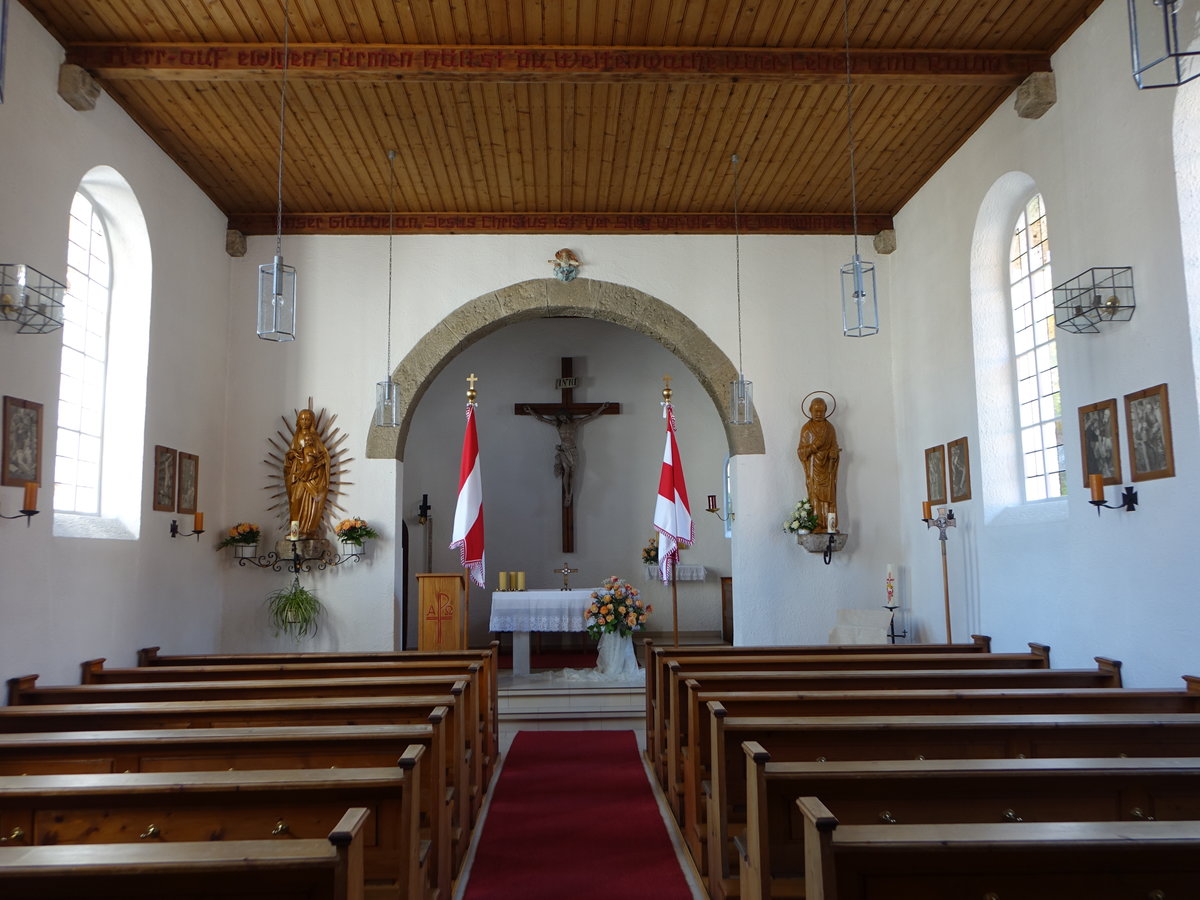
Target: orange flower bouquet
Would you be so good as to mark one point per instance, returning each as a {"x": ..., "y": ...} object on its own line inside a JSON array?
[
  {"x": 617, "y": 607},
  {"x": 354, "y": 531},
  {"x": 241, "y": 533}
]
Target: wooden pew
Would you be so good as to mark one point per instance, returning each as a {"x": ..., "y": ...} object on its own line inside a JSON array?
[
  {"x": 668, "y": 691},
  {"x": 657, "y": 657},
  {"x": 1029, "y": 860},
  {"x": 694, "y": 755},
  {"x": 1106, "y": 674},
  {"x": 477, "y": 713},
  {"x": 311, "y": 869},
  {"x": 771, "y": 852},
  {"x": 207, "y": 806},
  {"x": 241, "y": 749},
  {"x": 465, "y": 767},
  {"x": 821, "y": 738},
  {"x": 488, "y": 656}
]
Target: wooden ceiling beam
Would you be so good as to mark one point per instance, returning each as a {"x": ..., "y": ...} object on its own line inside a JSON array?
[
  {"x": 562, "y": 222},
  {"x": 478, "y": 63}
]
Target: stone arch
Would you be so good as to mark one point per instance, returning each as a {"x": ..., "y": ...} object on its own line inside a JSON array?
[{"x": 547, "y": 297}]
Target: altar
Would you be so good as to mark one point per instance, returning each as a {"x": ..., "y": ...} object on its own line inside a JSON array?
[{"x": 541, "y": 610}]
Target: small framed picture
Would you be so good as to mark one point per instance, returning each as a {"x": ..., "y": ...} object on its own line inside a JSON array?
[
  {"x": 22, "y": 442},
  {"x": 1100, "y": 443},
  {"x": 189, "y": 481},
  {"x": 935, "y": 473},
  {"x": 165, "y": 459},
  {"x": 960, "y": 470},
  {"x": 1148, "y": 426}
]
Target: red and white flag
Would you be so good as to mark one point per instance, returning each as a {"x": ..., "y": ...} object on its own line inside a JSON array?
[
  {"x": 467, "y": 535},
  {"x": 672, "y": 513}
]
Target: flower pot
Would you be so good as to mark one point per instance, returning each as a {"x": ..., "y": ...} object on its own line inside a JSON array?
[
  {"x": 803, "y": 531},
  {"x": 244, "y": 551}
]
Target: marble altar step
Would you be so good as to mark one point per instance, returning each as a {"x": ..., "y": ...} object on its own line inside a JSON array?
[{"x": 541, "y": 702}]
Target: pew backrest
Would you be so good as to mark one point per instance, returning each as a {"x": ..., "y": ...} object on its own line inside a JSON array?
[
  {"x": 1100, "y": 860},
  {"x": 329, "y": 869},
  {"x": 254, "y": 805}
]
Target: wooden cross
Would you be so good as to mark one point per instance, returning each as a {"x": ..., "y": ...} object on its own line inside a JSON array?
[
  {"x": 565, "y": 571},
  {"x": 566, "y": 416}
]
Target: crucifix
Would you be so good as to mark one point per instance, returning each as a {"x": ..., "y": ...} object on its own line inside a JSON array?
[
  {"x": 566, "y": 572},
  {"x": 566, "y": 416}
]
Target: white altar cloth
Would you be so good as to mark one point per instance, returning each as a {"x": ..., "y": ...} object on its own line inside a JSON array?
[
  {"x": 542, "y": 610},
  {"x": 539, "y": 610}
]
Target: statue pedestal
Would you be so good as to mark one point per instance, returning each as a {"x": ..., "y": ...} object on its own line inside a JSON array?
[{"x": 309, "y": 548}]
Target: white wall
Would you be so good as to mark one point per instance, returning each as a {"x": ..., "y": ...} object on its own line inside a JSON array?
[
  {"x": 1114, "y": 585},
  {"x": 792, "y": 345},
  {"x": 63, "y": 600}
]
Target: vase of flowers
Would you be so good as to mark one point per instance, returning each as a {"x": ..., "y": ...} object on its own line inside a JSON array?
[
  {"x": 650, "y": 551},
  {"x": 243, "y": 538},
  {"x": 802, "y": 520},
  {"x": 615, "y": 607},
  {"x": 354, "y": 531}
]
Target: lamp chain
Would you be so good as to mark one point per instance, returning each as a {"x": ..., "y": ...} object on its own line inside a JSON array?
[
  {"x": 391, "y": 155},
  {"x": 850, "y": 128},
  {"x": 282, "y": 112},
  {"x": 737, "y": 254}
]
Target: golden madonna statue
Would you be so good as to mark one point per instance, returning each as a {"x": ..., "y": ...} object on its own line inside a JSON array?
[
  {"x": 306, "y": 468},
  {"x": 820, "y": 454}
]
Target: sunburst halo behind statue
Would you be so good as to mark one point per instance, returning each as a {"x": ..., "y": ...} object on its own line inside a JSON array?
[{"x": 303, "y": 493}]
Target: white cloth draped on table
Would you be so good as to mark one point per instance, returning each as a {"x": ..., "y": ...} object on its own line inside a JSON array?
[{"x": 614, "y": 656}]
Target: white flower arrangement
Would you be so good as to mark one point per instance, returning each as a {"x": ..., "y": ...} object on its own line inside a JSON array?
[{"x": 802, "y": 518}]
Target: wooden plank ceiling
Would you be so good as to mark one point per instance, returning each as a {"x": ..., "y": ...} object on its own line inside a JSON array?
[{"x": 559, "y": 115}]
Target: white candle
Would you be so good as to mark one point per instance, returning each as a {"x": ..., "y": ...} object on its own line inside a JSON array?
[
  {"x": 831, "y": 522},
  {"x": 890, "y": 584}
]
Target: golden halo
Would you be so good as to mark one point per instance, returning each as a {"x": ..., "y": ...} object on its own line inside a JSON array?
[{"x": 827, "y": 394}]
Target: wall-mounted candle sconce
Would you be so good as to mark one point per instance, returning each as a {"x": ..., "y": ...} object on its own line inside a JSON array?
[
  {"x": 197, "y": 528},
  {"x": 29, "y": 509},
  {"x": 716, "y": 510},
  {"x": 1129, "y": 497}
]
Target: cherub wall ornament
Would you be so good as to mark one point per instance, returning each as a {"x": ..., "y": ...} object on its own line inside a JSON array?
[{"x": 566, "y": 264}]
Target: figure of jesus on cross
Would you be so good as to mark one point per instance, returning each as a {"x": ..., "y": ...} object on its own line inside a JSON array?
[{"x": 566, "y": 417}]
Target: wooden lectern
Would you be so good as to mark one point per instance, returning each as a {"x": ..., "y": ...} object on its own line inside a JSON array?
[{"x": 442, "y": 624}]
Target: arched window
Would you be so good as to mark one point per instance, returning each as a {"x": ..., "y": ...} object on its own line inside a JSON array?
[
  {"x": 83, "y": 371},
  {"x": 102, "y": 376},
  {"x": 1035, "y": 355}
]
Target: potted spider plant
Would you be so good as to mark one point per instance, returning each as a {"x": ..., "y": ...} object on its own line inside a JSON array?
[{"x": 294, "y": 610}]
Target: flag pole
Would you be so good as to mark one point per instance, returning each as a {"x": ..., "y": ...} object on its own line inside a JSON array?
[
  {"x": 675, "y": 603},
  {"x": 467, "y": 531},
  {"x": 672, "y": 512}
]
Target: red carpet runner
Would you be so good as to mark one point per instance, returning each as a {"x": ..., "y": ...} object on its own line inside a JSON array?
[{"x": 574, "y": 816}]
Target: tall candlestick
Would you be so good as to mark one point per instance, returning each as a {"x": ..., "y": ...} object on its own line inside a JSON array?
[
  {"x": 1096, "y": 481},
  {"x": 31, "y": 492}
]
